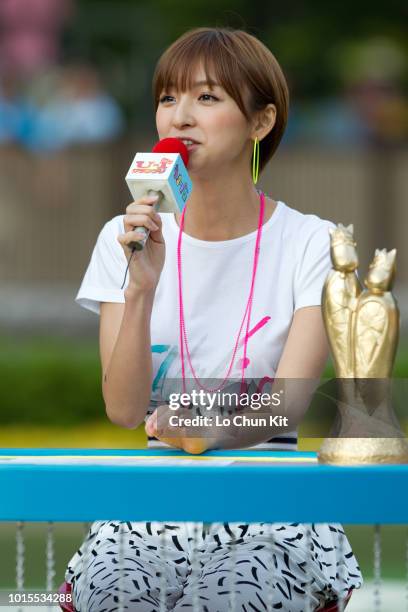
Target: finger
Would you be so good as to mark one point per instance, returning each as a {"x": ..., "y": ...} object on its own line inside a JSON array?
[
  {"x": 132, "y": 221},
  {"x": 175, "y": 442},
  {"x": 195, "y": 446},
  {"x": 151, "y": 424},
  {"x": 165, "y": 429},
  {"x": 125, "y": 240},
  {"x": 146, "y": 202},
  {"x": 150, "y": 429},
  {"x": 142, "y": 209},
  {"x": 157, "y": 234}
]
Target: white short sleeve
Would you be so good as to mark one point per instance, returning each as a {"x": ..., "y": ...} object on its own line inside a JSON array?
[
  {"x": 105, "y": 273},
  {"x": 314, "y": 264}
]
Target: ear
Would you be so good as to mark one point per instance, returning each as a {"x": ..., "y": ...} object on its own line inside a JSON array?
[
  {"x": 351, "y": 228},
  {"x": 264, "y": 122}
]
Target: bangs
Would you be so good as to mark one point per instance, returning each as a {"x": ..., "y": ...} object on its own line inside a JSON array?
[
  {"x": 236, "y": 61},
  {"x": 177, "y": 68}
]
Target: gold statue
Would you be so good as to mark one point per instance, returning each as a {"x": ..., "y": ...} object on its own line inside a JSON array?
[
  {"x": 339, "y": 298},
  {"x": 362, "y": 328},
  {"x": 377, "y": 320}
]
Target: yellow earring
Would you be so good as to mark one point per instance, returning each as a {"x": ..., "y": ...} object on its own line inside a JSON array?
[{"x": 255, "y": 161}]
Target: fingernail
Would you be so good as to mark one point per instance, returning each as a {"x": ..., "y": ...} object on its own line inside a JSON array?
[{"x": 152, "y": 198}]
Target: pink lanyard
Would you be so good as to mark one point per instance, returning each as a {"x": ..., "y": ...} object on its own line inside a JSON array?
[{"x": 183, "y": 332}]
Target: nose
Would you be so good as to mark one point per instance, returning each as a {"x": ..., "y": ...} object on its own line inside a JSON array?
[{"x": 183, "y": 112}]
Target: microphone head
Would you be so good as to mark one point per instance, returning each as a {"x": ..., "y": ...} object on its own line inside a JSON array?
[{"x": 172, "y": 145}]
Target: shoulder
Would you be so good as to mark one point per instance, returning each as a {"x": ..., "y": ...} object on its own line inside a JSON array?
[
  {"x": 309, "y": 241},
  {"x": 303, "y": 228},
  {"x": 301, "y": 223}
]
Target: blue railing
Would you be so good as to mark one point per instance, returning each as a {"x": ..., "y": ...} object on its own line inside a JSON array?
[{"x": 71, "y": 485}]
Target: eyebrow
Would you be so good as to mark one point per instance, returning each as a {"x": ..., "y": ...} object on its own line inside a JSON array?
[
  {"x": 209, "y": 83},
  {"x": 199, "y": 84}
]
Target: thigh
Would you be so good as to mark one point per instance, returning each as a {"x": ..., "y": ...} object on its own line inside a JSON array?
[
  {"x": 153, "y": 559},
  {"x": 255, "y": 573}
]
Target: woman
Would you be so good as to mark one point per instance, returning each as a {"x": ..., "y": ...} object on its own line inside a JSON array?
[{"x": 190, "y": 290}]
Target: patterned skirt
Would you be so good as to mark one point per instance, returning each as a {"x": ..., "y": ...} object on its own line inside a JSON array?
[{"x": 211, "y": 567}]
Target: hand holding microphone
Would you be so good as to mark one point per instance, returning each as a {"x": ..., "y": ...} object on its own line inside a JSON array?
[
  {"x": 147, "y": 263},
  {"x": 161, "y": 173},
  {"x": 157, "y": 181}
]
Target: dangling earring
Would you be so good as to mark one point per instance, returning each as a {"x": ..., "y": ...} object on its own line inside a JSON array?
[{"x": 255, "y": 161}]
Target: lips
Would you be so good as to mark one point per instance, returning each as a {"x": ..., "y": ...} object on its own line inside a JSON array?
[
  {"x": 192, "y": 146},
  {"x": 189, "y": 141}
]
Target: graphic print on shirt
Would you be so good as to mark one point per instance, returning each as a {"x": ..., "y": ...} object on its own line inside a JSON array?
[{"x": 171, "y": 356}]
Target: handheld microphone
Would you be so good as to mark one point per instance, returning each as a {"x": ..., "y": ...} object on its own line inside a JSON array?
[{"x": 161, "y": 173}]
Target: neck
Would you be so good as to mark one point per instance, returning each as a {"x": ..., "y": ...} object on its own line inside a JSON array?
[{"x": 219, "y": 209}]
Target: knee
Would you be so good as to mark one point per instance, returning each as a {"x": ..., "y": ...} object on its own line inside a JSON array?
[{"x": 100, "y": 588}]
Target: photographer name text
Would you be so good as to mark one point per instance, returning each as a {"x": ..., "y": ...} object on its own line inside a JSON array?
[{"x": 238, "y": 420}]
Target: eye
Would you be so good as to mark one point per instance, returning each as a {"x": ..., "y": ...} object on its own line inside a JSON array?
[
  {"x": 205, "y": 97},
  {"x": 208, "y": 97},
  {"x": 164, "y": 99}
]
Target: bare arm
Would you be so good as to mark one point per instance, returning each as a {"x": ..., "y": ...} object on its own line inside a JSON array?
[
  {"x": 124, "y": 341},
  {"x": 125, "y": 349},
  {"x": 306, "y": 349}
]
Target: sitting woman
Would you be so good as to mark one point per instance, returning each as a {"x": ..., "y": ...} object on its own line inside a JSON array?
[{"x": 233, "y": 255}]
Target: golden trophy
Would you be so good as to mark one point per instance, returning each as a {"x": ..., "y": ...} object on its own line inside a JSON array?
[{"x": 362, "y": 326}]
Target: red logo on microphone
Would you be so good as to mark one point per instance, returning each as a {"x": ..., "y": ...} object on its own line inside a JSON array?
[{"x": 152, "y": 166}]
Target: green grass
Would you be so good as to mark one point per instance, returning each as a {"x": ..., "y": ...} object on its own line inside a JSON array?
[
  {"x": 394, "y": 542},
  {"x": 68, "y": 536},
  {"x": 97, "y": 434},
  {"x": 49, "y": 381}
]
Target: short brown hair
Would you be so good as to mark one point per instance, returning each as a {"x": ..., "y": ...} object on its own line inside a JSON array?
[{"x": 239, "y": 62}]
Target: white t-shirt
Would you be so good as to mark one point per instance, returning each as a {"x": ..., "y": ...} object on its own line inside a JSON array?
[{"x": 293, "y": 264}]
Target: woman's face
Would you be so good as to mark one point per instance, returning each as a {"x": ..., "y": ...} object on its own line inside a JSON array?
[{"x": 210, "y": 118}]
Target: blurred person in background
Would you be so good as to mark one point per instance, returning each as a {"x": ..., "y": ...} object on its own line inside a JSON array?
[
  {"x": 43, "y": 106},
  {"x": 373, "y": 73},
  {"x": 371, "y": 109},
  {"x": 30, "y": 32},
  {"x": 14, "y": 111},
  {"x": 71, "y": 107}
]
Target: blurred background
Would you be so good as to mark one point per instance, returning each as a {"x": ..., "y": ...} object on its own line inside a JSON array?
[{"x": 75, "y": 106}]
